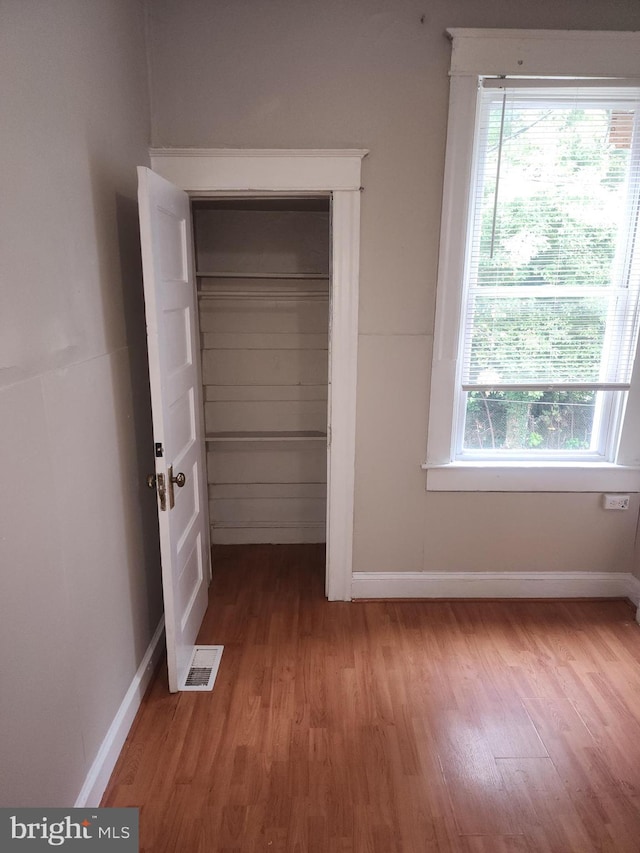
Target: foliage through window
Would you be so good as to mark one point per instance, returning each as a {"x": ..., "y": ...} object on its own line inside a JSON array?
[{"x": 551, "y": 284}]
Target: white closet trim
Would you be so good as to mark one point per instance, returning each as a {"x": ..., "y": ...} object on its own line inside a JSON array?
[
  {"x": 337, "y": 173},
  {"x": 273, "y": 170}
]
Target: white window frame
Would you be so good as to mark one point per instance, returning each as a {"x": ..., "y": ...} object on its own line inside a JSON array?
[{"x": 545, "y": 53}]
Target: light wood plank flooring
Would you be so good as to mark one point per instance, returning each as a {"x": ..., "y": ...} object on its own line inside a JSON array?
[{"x": 391, "y": 727}]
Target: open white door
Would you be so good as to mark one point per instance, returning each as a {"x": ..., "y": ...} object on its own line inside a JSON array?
[{"x": 180, "y": 476}]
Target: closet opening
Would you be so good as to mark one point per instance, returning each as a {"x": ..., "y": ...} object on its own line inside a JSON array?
[{"x": 263, "y": 278}]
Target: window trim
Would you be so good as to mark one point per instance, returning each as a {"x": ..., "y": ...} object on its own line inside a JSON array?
[{"x": 477, "y": 53}]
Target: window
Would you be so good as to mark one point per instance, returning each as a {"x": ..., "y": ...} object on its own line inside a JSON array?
[
  {"x": 550, "y": 301},
  {"x": 539, "y": 279}
]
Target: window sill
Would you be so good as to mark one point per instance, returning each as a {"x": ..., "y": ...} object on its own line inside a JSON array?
[{"x": 531, "y": 477}]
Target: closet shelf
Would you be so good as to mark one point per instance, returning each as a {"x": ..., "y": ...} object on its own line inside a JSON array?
[
  {"x": 316, "y": 276},
  {"x": 283, "y": 435},
  {"x": 318, "y": 295},
  {"x": 249, "y": 525}
]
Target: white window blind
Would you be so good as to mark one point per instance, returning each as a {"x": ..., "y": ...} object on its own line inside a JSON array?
[{"x": 552, "y": 271}]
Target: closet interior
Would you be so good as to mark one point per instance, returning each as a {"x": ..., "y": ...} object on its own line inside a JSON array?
[{"x": 263, "y": 280}]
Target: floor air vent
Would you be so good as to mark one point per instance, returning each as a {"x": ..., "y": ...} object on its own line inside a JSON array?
[{"x": 203, "y": 668}]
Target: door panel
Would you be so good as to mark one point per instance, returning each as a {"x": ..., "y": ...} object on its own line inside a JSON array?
[{"x": 174, "y": 374}]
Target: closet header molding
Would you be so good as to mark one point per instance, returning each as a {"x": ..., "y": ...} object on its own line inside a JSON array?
[{"x": 202, "y": 170}]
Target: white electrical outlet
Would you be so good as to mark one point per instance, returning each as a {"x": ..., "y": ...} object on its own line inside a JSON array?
[{"x": 615, "y": 501}]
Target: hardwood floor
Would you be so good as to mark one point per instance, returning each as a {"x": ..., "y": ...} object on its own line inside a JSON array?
[{"x": 391, "y": 727}]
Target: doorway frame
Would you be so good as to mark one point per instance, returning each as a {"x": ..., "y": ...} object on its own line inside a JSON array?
[{"x": 203, "y": 172}]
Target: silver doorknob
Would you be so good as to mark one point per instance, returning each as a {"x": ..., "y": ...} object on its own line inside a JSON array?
[
  {"x": 179, "y": 479},
  {"x": 151, "y": 481}
]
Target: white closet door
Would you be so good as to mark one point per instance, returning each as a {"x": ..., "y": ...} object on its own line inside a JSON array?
[{"x": 181, "y": 483}]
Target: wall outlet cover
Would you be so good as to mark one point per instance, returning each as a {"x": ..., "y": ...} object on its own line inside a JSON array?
[{"x": 615, "y": 501}]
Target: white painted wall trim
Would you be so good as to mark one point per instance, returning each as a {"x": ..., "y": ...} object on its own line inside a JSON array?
[
  {"x": 633, "y": 589},
  {"x": 337, "y": 172},
  {"x": 496, "y": 585},
  {"x": 573, "y": 53},
  {"x": 532, "y": 477},
  {"x": 98, "y": 776},
  {"x": 269, "y": 170},
  {"x": 475, "y": 53},
  {"x": 343, "y": 369}
]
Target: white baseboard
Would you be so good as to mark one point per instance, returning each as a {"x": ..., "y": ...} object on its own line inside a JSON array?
[
  {"x": 495, "y": 585},
  {"x": 102, "y": 767},
  {"x": 633, "y": 590}
]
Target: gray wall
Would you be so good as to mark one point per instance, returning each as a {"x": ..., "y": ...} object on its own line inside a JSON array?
[
  {"x": 373, "y": 74},
  {"x": 79, "y": 570}
]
